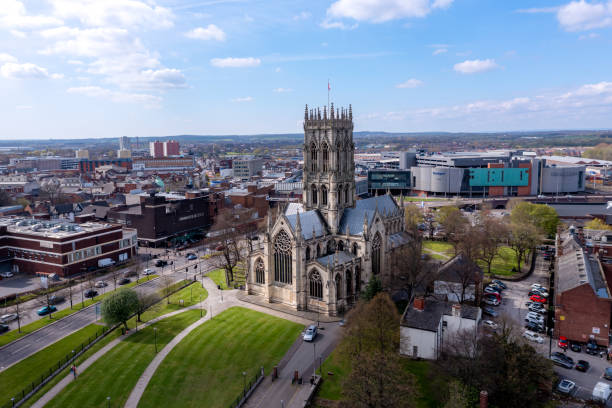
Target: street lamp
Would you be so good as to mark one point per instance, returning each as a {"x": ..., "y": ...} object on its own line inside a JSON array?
[
  {"x": 155, "y": 333},
  {"x": 200, "y": 305},
  {"x": 107, "y": 402},
  {"x": 244, "y": 382}
]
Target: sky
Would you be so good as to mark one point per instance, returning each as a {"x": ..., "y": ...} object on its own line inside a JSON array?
[{"x": 107, "y": 68}]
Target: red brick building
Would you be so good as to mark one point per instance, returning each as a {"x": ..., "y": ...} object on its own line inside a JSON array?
[
  {"x": 32, "y": 245},
  {"x": 583, "y": 303}
]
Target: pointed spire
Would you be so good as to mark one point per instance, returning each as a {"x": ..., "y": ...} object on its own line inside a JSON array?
[
  {"x": 314, "y": 234},
  {"x": 298, "y": 224},
  {"x": 325, "y": 112},
  {"x": 350, "y": 112},
  {"x": 306, "y": 112},
  {"x": 332, "y": 111}
]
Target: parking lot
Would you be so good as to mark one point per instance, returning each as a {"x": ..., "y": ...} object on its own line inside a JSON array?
[{"x": 513, "y": 307}]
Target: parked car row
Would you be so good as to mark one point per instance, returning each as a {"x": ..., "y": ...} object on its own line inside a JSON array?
[{"x": 492, "y": 293}]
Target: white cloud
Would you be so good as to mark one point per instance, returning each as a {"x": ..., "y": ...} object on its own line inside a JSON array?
[
  {"x": 282, "y": 90},
  {"x": 439, "y": 51},
  {"x": 536, "y": 10},
  {"x": 118, "y": 13},
  {"x": 244, "y": 99},
  {"x": 4, "y": 57},
  {"x": 13, "y": 70},
  {"x": 475, "y": 66},
  {"x": 235, "y": 62},
  {"x": 121, "y": 97},
  {"x": 378, "y": 11},
  {"x": 18, "y": 33},
  {"x": 327, "y": 24},
  {"x": 304, "y": 15},
  {"x": 75, "y": 62},
  {"x": 212, "y": 32},
  {"x": 13, "y": 15},
  {"x": 411, "y": 83},
  {"x": 588, "y": 36},
  {"x": 581, "y": 15}
]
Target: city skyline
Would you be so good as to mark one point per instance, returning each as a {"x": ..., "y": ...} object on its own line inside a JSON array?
[{"x": 80, "y": 69}]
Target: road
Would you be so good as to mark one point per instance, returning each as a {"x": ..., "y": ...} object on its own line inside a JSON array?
[
  {"x": 513, "y": 306},
  {"x": 30, "y": 344}
]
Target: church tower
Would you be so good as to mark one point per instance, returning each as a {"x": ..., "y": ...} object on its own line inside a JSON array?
[{"x": 329, "y": 167}]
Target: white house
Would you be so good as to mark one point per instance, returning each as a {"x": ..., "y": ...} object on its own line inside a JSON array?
[
  {"x": 458, "y": 280},
  {"x": 428, "y": 323}
]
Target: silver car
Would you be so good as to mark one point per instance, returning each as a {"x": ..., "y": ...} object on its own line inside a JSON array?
[
  {"x": 8, "y": 317},
  {"x": 310, "y": 333}
]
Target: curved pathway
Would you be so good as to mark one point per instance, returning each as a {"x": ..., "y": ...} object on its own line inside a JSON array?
[
  {"x": 57, "y": 388},
  {"x": 214, "y": 306}
]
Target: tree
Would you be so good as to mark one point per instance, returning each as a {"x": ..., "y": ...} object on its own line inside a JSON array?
[
  {"x": 377, "y": 378},
  {"x": 146, "y": 301},
  {"x": 523, "y": 238},
  {"x": 5, "y": 198},
  {"x": 413, "y": 217},
  {"x": 373, "y": 287},
  {"x": 409, "y": 267},
  {"x": 52, "y": 190},
  {"x": 493, "y": 233},
  {"x": 597, "y": 224},
  {"x": 119, "y": 306},
  {"x": 453, "y": 222},
  {"x": 543, "y": 216}
]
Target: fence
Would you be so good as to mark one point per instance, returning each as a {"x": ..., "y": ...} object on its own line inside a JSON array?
[
  {"x": 62, "y": 364},
  {"x": 249, "y": 388}
]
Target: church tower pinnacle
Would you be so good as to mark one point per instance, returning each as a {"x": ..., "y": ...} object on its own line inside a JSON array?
[{"x": 329, "y": 167}]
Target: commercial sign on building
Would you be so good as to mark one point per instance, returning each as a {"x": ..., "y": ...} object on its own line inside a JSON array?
[{"x": 499, "y": 177}]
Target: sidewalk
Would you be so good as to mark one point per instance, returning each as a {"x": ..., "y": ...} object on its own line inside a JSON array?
[{"x": 279, "y": 307}]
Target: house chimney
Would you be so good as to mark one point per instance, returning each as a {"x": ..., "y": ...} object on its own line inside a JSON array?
[
  {"x": 456, "y": 310},
  {"x": 484, "y": 399},
  {"x": 419, "y": 303}
]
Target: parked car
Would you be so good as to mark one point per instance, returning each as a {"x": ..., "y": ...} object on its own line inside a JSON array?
[
  {"x": 535, "y": 315},
  {"x": 493, "y": 295},
  {"x": 491, "y": 301},
  {"x": 56, "y": 299},
  {"x": 124, "y": 281},
  {"x": 537, "y": 286},
  {"x": 563, "y": 342},
  {"x": 495, "y": 286},
  {"x": 489, "y": 324},
  {"x": 192, "y": 257},
  {"x": 592, "y": 348},
  {"x": 8, "y": 317},
  {"x": 91, "y": 293},
  {"x": 500, "y": 283},
  {"x": 608, "y": 373},
  {"x": 567, "y": 362},
  {"x": 101, "y": 284},
  {"x": 536, "y": 308},
  {"x": 537, "y": 298},
  {"x": 534, "y": 321},
  {"x": 130, "y": 273},
  {"x": 310, "y": 333},
  {"x": 536, "y": 327},
  {"x": 3, "y": 328},
  {"x": 7, "y": 274},
  {"x": 160, "y": 263},
  {"x": 538, "y": 293},
  {"x": 46, "y": 310},
  {"x": 531, "y": 336},
  {"x": 490, "y": 289},
  {"x": 575, "y": 347},
  {"x": 489, "y": 311},
  {"x": 148, "y": 271},
  {"x": 566, "y": 386},
  {"x": 583, "y": 365}
]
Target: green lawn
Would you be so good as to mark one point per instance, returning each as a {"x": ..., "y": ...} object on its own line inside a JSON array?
[
  {"x": 502, "y": 264},
  {"x": 190, "y": 296},
  {"x": 205, "y": 369},
  {"x": 117, "y": 372},
  {"x": 24, "y": 373},
  {"x": 43, "y": 321},
  {"x": 218, "y": 276},
  {"x": 331, "y": 388}
]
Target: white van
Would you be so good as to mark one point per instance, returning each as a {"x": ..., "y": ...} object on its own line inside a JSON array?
[
  {"x": 532, "y": 336},
  {"x": 601, "y": 392}
]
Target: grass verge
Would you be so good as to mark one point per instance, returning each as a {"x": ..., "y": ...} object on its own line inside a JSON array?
[
  {"x": 116, "y": 374},
  {"x": 218, "y": 276},
  {"x": 205, "y": 369}
]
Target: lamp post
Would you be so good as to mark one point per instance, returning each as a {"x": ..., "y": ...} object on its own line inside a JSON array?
[
  {"x": 107, "y": 402},
  {"x": 155, "y": 333},
  {"x": 200, "y": 305},
  {"x": 244, "y": 383}
]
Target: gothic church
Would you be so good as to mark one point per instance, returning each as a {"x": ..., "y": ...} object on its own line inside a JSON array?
[{"x": 319, "y": 254}]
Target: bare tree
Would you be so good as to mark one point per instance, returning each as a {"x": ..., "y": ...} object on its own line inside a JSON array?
[
  {"x": 494, "y": 232},
  {"x": 454, "y": 223},
  {"x": 146, "y": 301},
  {"x": 524, "y": 237},
  {"x": 52, "y": 191}
]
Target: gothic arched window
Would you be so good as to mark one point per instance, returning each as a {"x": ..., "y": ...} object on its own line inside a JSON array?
[
  {"x": 314, "y": 194},
  {"x": 349, "y": 283},
  {"x": 318, "y": 250},
  {"x": 323, "y": 195},
  {"x": 313, "y": 157},
  {"x": 346, "y": 194},
  {"x": 340, "y": 245},
  {"x": 282, "y": 258},
  {"x": 315, "y": 284},
  {"x": 376, "y": 254},
  {"x": 260, "y": 270},
  {"x": 307, "y": 253},
  {"x": 325, "y": 150},
  {"x": 357, "y": 280},
  {"x": 355, "y": 248},
  {"x": 338, "y": 287},
  {"x": 338, "y": 158},
  {"x": 331, "y": 246}
]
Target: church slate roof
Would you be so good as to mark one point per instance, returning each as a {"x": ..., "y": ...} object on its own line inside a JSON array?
[
  {"x": 293, "y": 208},
  {"x": 353, "y": 217},
  {"x": 341, "y": 257},
  {"x": 308, "y": 220},
  {"x": 398, "y": 239},
  {"x": 429, "y": 319}
]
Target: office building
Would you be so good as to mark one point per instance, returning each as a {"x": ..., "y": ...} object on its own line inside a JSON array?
[
  {"x": 171, "y": 148},
  {"x": 156, "y": 149},
  {"x": 124, "y": 143},
  {"x": 246, "y": 167}
]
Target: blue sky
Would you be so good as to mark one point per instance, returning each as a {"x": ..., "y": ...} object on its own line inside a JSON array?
[{"x": 92, "y": 68}]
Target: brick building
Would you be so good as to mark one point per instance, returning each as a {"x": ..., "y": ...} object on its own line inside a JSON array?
[
  {"x": 32, "y": 246},
  {"x": 253, "y": 197},
  {"x": 583, "y": 303},
  {"x": 159, "y": 218}
]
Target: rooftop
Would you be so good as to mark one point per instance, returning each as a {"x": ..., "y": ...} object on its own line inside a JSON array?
[
  {"x": 429, "y": 318},
  {"x": 51, "y": 229}
]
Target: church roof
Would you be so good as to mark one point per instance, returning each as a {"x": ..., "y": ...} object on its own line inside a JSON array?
[
  {"x": 398, "y": 239},
  {"x": 352, "y": 218},
  {"x": 293, "y": 208},
  {"x": 341, "y": 257},
  {"x": 310, "y": 220}
]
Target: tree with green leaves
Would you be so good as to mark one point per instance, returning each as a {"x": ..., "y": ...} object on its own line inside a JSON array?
[
  {"x": 542, "y": 216},
  {"x": 453, "y": 222},
  {"x": 119, "y": 306},
  {"x": 373, "y": 287},
  {"x": 597, "y": 224},
  {"x": 523, "y": 238}
]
